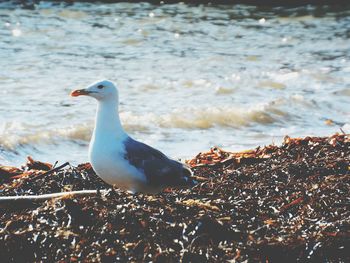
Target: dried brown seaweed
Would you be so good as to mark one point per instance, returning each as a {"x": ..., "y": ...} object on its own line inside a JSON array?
[{"x": 270, "y": 204}]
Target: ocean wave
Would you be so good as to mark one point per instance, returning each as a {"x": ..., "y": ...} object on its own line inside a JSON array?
[
  {"x": 14, "y": 134},
  {"x": 205, "y": 118}
]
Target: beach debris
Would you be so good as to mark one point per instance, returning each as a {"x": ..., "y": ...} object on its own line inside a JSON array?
[
  {"x": 6, "y": 172},
  {"x": 37, "y": 165},
  {"x": 271, "y": 204}
]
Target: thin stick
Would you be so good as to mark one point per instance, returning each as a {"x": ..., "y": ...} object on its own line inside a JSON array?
[
  {"x": 6, "y": 200},
  {"x": 51, "y": 171}
]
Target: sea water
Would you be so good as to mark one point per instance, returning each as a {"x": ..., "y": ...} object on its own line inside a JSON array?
[{"x": 189, "y": 77}]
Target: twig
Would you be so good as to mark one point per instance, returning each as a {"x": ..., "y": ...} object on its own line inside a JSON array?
[
  {"x": 55, "y": 165},
  {"x": 51, "y": 171},
  {"x": 6, "y": 200},
  {"x": 343, "y": 132}
]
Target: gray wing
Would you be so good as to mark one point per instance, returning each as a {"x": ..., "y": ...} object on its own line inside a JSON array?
[{"x": 157, "y": 167}]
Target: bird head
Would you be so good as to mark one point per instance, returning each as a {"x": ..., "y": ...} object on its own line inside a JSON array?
[{"x": 101, "y": 90}]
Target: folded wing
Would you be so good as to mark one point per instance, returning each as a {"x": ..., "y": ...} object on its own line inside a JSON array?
[{"x": 158, "y": 169}]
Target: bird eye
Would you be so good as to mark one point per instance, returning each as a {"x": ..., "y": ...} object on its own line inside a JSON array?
[{"x": 100, "y": 86}]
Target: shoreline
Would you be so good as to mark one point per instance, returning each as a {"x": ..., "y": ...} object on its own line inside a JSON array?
[{"x": 287, "y": 202}]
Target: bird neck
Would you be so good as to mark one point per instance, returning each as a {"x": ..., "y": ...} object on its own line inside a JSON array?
[{"x": 107, "y": 119}]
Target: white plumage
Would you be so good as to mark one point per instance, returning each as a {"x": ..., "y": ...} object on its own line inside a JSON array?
[{"x": 120, "y": 160}]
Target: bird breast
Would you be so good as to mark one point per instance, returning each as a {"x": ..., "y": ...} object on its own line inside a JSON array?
[{"x": 109, "y": 163}]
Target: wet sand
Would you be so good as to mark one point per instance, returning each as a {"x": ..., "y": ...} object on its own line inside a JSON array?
[{"x": 273, "y": 203}]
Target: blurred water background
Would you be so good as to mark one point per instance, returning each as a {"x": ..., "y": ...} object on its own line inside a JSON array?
[{"x": 190, "y": 77}]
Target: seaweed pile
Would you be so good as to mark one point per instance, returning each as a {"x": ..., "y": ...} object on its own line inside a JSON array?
[{"x": 269, "y": 204}]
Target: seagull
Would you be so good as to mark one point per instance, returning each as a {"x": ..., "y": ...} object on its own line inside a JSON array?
[{"x": 122, "y": 161}]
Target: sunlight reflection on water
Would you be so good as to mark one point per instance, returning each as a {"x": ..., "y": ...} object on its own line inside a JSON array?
[{"x": 190, "y": 77}]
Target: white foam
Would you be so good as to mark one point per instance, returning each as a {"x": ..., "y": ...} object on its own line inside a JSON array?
[
  {"x": 15, "y": 134},
  {"x": 205, "y": 118}
]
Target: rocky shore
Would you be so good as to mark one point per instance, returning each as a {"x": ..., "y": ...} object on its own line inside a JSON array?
[{"x": 273, "y": 203}]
